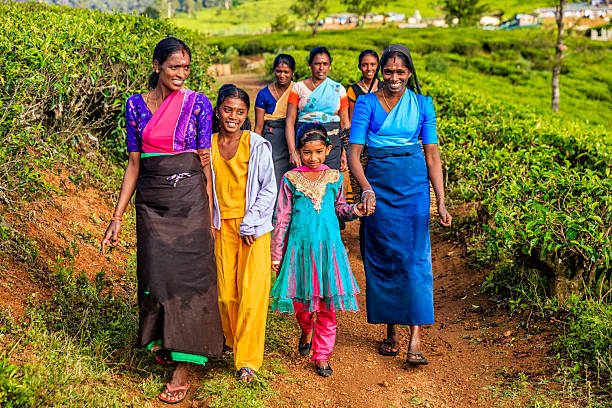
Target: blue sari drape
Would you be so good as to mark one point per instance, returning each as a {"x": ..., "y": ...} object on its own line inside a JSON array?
[{"x": 399, "y": 281}]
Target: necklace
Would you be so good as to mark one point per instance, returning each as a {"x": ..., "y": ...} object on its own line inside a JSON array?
[
  {"x": 314, "y": 84},
  {"x": 387, "y": 103},
  {"x": 363, "y": 86},
  {"x": 275, "y": 91}
]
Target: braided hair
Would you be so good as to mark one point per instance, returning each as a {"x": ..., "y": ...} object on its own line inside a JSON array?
[{"x": 310, "y": 132}]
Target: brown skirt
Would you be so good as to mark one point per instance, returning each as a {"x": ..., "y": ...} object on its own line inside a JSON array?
[{"x": 177, "y": 273}]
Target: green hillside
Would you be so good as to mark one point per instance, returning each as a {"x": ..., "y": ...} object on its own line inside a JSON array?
[{"x": 252, "y": 16}]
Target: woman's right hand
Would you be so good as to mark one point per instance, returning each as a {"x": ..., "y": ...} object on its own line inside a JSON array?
[
  {"x": 368, "y": 198},
  {"x": 111, "y": 236},
  {"x": 294, "y": 159}
]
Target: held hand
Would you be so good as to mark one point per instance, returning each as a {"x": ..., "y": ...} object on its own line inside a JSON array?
[
  {"x": 362, "y": 209},
  {"x": 248, "y": 239},
  {"x": 294, "y": 159},
  {"x": 275, "y": 267},
  {"x": 445, "y": 218},
  {"x": 368, "y": 198},
  {"x": 111, "y": 236}
]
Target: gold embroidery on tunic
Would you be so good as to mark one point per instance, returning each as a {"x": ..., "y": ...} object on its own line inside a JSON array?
[{"x": 315, "y": 190}]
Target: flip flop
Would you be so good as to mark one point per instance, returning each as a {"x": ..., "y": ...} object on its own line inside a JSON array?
[
  {"x": 169, "y": 388},
  {"x": 246, "y": 372},
  {"x": 388, "y": 353},
  {"x": 416, "y": 361},
  {"x": 163, "y": 357}
]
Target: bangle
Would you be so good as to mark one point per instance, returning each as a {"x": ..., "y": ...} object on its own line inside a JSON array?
[
  {"x": 117, "y": 218},
  {"x": 356, "y": 211}
]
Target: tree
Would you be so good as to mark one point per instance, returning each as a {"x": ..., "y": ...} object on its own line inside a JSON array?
[
  {"x": 467, "y": 12},
  {"x": 362, "y": 7},
  {"x": 308, "y": 8},
  {"x": 556, "y": 71}
]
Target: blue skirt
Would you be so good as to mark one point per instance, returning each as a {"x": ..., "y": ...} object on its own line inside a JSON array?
[{"x": 399, "y": 280}]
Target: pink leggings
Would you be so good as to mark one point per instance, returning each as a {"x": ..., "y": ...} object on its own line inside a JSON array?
[{"x": 325, "y": 325}]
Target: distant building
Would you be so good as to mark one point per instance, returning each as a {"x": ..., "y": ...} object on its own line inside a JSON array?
[
  {"x": 519, "y": 21},
  {"x": 489, "y": 21},
  {"x": 341, "y": 19}
]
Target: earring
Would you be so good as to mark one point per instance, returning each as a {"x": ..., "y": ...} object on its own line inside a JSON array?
[{"x": 157, "y": 71}]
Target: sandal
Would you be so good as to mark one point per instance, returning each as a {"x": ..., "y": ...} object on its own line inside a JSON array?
[
  {"x": 323, "y": 371},
  {"x": 388, "y": 342},
  {"x": 416, "y": 358},
  {"x": 171, "y": 390},
  {"x": 245, "y": 373},
  {"x": 163, "y": 357}
]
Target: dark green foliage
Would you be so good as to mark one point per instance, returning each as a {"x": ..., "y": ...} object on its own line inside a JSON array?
[
  {"x": 65, "y": 75},
  {"x": 467, "y": 12}
]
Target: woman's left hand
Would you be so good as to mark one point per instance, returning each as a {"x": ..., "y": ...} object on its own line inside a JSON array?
[
  {"x": 445, "y": 218},
  {"x": 205, "y": 158},
  {"x": 248, "y": 239}
]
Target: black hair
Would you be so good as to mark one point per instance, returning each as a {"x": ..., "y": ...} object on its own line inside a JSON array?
[
  {"x": 364, "y": 53},
  {"x": 401, "y": 51},
  {"x": 231, "y": 91},
  {"x": 310, "y": 132},
  {"x": 316, "y": 51},
  {"x": 284, "y": 59},
  {"x": 162, "y": 51}
]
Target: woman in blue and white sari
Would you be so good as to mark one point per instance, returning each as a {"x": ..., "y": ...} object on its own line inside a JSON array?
[
  {"x": 399, "y": 280},
  {"x": 322, "y": 100}
]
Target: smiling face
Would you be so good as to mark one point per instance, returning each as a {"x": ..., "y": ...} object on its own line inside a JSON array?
[
  {"x": 283, "y": 74},
  {"x": 313, "y": 153},
  {"x": 320, "y": 67},
  {"x": 395, "y": 74},
  {"x": 232, "y": 114},
  {"x": 174, "y": 70},
  {"x": 367, "y": 66}
]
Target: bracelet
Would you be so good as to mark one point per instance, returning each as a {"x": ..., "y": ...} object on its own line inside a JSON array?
[
  {"x": 117, "y": 218},
  {"x": 357, "y": 212}
]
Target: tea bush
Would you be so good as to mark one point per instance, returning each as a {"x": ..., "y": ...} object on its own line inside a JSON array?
[{"x": 64, "y": 77}]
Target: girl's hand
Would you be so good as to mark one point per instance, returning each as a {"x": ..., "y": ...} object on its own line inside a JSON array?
[
  {"x": 275, "y": 267},
  {"x": 368, "y": 198},
  {"x": 294, "y": 159},
  {"x": 213, "y": 232},
  {"x": 248, "y": 239},
  {"x": 362, "y": 209},
  {"x": 111, "y": 236},
  {"x": 445, "y": 218}
]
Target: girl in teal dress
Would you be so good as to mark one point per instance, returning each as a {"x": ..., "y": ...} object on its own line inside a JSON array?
[{"x": 314, "y": 275}]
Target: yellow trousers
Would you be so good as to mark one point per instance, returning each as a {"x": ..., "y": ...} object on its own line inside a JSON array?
[{"x": 243, "y": 275}]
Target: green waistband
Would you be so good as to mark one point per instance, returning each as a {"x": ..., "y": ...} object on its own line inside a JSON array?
[
  {"x": 182, "y": 357},
  {"x": 143, "y": 155}
]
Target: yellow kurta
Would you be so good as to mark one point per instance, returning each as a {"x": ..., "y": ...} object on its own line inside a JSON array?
[{"x": 243, "y": 272}]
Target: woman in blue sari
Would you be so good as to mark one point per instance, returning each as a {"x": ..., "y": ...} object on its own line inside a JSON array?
[
  {"x": 399, "y": 280},
  {"x": 322, "y": 100}
]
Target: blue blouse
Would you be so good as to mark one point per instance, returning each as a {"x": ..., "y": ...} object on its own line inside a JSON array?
[
  {"x": 265, "y": 101},
  {"x": 369, "y": 116}
]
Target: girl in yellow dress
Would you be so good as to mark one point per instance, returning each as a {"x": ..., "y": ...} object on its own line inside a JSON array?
[{"x": 244, "y": 194}]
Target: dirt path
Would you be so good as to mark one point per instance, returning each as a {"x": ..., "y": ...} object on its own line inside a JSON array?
[{"x": 471, "y": 348}]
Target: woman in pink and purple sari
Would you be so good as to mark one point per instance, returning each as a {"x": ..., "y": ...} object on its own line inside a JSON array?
[{"x": 168, "y": 131}]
